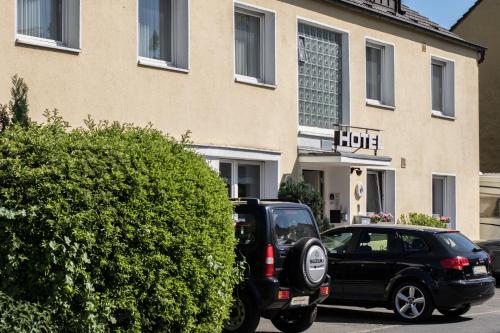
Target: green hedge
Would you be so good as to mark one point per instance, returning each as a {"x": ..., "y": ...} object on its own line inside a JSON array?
[
  {"x": 421, "y": 219},
  {"x": 304, "y": 193},
  {"x": 114, "y": 228}
]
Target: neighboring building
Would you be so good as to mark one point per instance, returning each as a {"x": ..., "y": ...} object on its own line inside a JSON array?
[
  {"x": 369, "y": 102},
  {"x": 472, "y": 27}
]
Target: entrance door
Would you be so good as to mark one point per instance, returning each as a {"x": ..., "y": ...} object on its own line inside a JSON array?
[{"x": 315, "y": 179}]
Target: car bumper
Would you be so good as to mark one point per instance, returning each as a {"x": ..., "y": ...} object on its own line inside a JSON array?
[
  {"x": 269, "y": 288},
  {"x": 452, "y": 294}
]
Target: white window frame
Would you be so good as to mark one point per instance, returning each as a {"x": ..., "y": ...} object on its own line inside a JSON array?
[
  {"x": 389, "y": 183},
  {"x": 448, "y": 95},
  {"x": 267, "y": 17},
  {"x": 387, "y": 75},
  {"x": 346, "y": 81},
  {"x": 449, "y": 196},
  {"x": 180, "y": 40},
  {"x": 67, "y": 44},
  {"x": 234, "y": 174}
]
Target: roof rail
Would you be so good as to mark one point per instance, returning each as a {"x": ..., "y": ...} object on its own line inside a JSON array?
[
  {"x": 283, "y": 200},
  {"x": 250, "y": 201}
]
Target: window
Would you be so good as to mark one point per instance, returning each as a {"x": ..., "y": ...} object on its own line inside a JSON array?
[
  {"x": 457, "y": 242},
  {"x": 443, "y": 87},
  {"x": 243, "y": 179},
  {"x": 50, "y": 23},
  {"x": 376, "y": 242},
  {"x": 244, "y": 228},
  {"x": 337, "y": 243},
  {"x": 254, "y": 45},
  {"x": 290, "y": 225},
  {"x": 380, "y": 73},
  {"x": 380, "y": 192},
  {"x": 320, "y": 77},
  {"x": 163, "y": 33},
  {"x": 413, "y": 243},
  {"x": 443, "y": 197}
]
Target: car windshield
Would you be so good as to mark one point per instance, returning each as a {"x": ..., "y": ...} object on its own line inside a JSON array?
[
  {"x": 290, "y": 225},
  {"x": 457, "y": 242}
]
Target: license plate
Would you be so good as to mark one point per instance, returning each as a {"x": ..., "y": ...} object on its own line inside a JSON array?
[
  {"x": 300, "y": 301},
  {"x": 478, "y": 270}
]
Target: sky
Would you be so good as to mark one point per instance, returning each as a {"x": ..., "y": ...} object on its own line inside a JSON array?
[{"x": 443, "y": 12}]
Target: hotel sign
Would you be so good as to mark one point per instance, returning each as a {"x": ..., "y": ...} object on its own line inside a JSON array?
[{"x": 357, "y": 140}]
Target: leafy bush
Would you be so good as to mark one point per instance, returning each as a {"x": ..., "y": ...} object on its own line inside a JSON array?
[
  {"x": 421, "y": 219},
  {"x": 114, "y": 228},
  {"x": 303, "y": 192},
  {"x": 19, "y": 316}
]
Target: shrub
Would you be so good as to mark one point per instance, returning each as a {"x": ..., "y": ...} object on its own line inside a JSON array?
[
  {"x": 421, "y": 219},
  {"x": 114, "y": 228},
  {"x": 19, "y": 316},
  {"x": 304, "y": 193}
]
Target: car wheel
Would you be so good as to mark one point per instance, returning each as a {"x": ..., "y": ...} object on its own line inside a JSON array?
[
  {"x": 412, "y": 302},
  {"x": 244, "y": 316},
  {"x": 456, "y": 312},
  {"x": 295, "y": 320}
]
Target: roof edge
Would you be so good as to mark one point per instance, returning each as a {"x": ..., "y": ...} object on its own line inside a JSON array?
[
  {"x": 464, "y": 16},
  {"x": 481, "y": 49}
]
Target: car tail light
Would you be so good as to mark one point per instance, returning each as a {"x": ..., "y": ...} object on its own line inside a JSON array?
[
  {"x": 284, "y": 294},
  {"x": 269, "y": 261},
  {"x": 325, "y": 290},
  {"x": 455, "y": 263}
]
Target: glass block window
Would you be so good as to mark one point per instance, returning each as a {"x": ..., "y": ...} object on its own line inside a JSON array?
[{"x": 320, "y": 77}]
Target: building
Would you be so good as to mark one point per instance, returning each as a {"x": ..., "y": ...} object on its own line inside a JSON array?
[
  {"x": 368, "y": 101},
  {"x": 471, "y": 26}
]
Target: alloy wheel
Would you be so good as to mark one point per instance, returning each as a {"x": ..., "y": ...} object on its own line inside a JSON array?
[
  {"x": 410, "y": 302},
  {"x": 237, "y": 316}
]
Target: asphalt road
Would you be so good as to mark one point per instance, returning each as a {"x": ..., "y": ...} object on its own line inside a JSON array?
[{"x": 335, "y": 319}]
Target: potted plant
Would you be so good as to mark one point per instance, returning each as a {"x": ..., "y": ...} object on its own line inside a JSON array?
[{"x": 381, "y": 218}]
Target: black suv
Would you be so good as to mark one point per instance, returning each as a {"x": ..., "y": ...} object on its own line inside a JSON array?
[
  {"x": 286, "y": 266},
  {"x": 412, "y": 270}
]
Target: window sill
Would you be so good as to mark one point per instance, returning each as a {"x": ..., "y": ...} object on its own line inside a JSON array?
[
  {"x": 252, "y": 82},
  {"x": 160, "y": 64},
  {"x": 45, "y": 43},
  {"x": 379, "y": 105},
  {"x": 436, "y": 114}
]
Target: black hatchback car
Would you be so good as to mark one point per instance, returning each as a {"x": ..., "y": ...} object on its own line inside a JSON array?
[{"x": 412, "y": 270}]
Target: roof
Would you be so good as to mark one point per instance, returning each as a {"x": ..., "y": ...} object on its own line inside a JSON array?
[
  {"x": 394, "y": 226},
  {"x": 466, "y": 14},
  {"x": 407, "y": 17}
]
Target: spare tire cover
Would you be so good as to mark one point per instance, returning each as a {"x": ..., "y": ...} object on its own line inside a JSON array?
[
  {"x": 306, "y": 264},
  {"x": 315, "y": 264}
]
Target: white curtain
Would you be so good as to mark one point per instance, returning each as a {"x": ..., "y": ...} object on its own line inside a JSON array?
[
  {"x": 155, "y": 22},
  {"x": 247, "y": 45},
  {"x": 373, "y": 73},
  {"x": 40, "y": 18}
]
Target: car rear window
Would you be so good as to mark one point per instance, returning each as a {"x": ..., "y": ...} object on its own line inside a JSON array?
[
  {"x": 290, "y": 225},
  {"x": 244, "y": 224},
  {"x": 457, "y": 242}
]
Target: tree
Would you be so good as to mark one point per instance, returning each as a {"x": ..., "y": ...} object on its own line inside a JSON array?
[
  {"x": 18, "y": 106},
  {"x": 304, "y": 193},
  {"x": 4, "y": 117}
]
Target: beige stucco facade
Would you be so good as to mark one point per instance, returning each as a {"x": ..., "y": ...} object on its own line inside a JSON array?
[
  {"x": 104, "y": 80},
  {"x": 473, "y": 28}
]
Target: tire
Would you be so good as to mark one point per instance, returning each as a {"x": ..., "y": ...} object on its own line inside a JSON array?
[
  {"x": 295, "y": 320},
  {"x": 244, "y": 316},
  {"x": 456, "y": 312},
  {"x": 306, "y": 264},
  {"x": 412, "y": 302}
]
